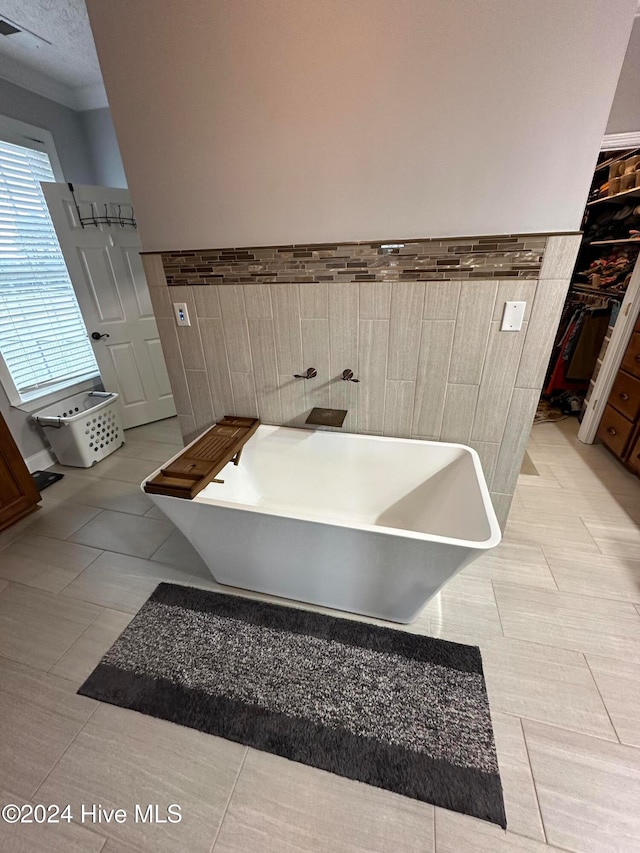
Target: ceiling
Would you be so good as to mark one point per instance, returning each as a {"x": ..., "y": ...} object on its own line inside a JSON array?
[{"x": 54, "y": 54}]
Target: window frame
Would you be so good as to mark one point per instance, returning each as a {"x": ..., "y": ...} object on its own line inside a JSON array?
[{"x": 17, "y": 132}]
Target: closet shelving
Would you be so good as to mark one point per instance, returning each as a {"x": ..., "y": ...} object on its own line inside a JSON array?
[
  {"x": 606, "y": 255},
  {"x": 615, "y": 158},
  {"x": 613, "y": 242},
  {"x": 619, "y": 198}
]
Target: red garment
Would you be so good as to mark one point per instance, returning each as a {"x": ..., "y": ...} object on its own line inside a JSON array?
[{"x": 558, "y": 380}]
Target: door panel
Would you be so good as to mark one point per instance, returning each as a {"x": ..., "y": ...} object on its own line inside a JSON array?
[
  {"x": 108, "y": 277},
  {"x": 159, "y": 368},
  {"x": 137, "y": 280},
  {"x": 101, "y": 282},
  {"x": 126, "y": 367}
]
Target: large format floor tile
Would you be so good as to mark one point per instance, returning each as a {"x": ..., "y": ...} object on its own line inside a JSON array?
[
  {"x": 122, "y": 758},
  {"x": 167, "y": 430},
  {"x": 43, "y": 562},
  {"x": 40, "y": 717},
  {"x": 61, "y": 520},
  {"x": 179, "y": 552},
  {"x": 588, "y": 789},
  {"x": 513, "y": 562},
  {"x": 154, "y": 451},
  {"x": 279, "y": 805},
  {"x": 580, "y": 456},
  {"x": 124, "y": 533},
  {"x": 456, "y": 833},
  {"x": 559, "y": 434},
  {"x": 114, "y": 495},
  {"x": 615, "y": 480},
  {"x": 573, "y": 504},
  {"x": 544, "y": 683},
  {"x": 113, "y": 846},
  {"x": 16, "y": 530},
  {"x": 618, "y": 537},
  {"x": 466, "y": 604},
  {"x": 579, "y": 622},
  {"x": 616, "y": 577},
  {"x": 546, "y": 528},
  {"x": 124, "y": 583},
  {"x": 37, "y": 628},
  {"x": 544, "y": 479},
  {"x": 62, "y": 837},
  {"x": 520, "y": 801},
  {"x": 154, "y": 512},
  {"x": 34, "y": 837},
  {"x": 619, "y": 685},
  {"x": 551, "y": 685},
  {"x": 127, "y": 470},
  {"x": 68, "y": 487},
  {"x": 84, "y": 655}
]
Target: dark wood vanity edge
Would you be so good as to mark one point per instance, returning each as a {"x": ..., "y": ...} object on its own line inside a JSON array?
[{"x": 19, "y": 494}]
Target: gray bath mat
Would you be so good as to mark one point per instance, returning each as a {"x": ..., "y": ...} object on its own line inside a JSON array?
[{"x": 386, "y": 707}]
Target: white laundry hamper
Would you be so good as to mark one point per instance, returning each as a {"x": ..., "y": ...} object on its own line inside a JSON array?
[{"x": 83, "y": 429}]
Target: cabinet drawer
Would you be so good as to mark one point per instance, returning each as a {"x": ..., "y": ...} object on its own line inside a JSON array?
[
  {"x": 614, "y": 430},
  {"x": 631, "y": 360},
  {"x": 625, "y": 395},
  {"x": 633, "y": 460}
]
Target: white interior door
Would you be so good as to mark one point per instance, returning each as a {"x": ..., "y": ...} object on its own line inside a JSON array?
[{"x": 107, "y": 275}]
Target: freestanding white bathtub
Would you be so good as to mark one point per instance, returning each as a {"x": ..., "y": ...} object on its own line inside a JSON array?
[{"x": 360, "y": 523}]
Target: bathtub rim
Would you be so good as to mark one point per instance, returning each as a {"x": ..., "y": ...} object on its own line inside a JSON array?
[{"x": 495, "y": 533}]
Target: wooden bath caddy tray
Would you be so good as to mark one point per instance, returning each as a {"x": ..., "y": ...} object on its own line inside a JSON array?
[{"x": 198, "y": 465}]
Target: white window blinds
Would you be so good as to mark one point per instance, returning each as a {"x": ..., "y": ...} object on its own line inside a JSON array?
[{"x": 42, "y": 337}]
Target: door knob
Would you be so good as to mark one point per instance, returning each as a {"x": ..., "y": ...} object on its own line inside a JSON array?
[{"x": 96, "y": 336}]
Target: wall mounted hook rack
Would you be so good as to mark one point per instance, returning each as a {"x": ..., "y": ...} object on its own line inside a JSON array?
[{"x": 113, "y": 214}]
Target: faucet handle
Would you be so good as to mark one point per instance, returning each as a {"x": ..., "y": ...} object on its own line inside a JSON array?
[
  {"x": 310, "y": 373},
  {"x": 347, "y": 376}
]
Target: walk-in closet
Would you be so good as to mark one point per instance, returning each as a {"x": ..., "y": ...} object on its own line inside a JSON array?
[{"x": 601, "y": 305}]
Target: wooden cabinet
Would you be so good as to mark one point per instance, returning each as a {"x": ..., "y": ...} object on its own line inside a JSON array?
[
  {"x": 620, "y": 425},
  {"x": 633, "y": 459},
  {"x": 631, "y": 360},
  {"x": 18, "y": 492}
]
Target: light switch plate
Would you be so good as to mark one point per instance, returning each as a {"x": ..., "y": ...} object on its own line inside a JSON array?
[
  {"x": 513, "y": 316},
  {"x": 182, "y": 313}
]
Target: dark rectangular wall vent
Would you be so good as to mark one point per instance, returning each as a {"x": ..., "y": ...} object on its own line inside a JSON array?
[{"x": 7, "y": 29}]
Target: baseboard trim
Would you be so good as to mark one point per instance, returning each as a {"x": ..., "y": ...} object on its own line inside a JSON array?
[{"x": 41, "y": 460}]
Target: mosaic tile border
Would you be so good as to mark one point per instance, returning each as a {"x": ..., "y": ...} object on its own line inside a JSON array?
[{"x": 507, "y": 256}]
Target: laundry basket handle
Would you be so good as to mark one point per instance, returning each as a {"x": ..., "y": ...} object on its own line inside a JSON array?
[{"x": 54, "y": 423}]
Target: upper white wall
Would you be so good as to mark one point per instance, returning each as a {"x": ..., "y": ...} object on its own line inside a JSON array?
[
  {"x": 625, "y": 110},
  {"x": 253, "y": 123},
  {"x": 65, "y": 125},
  {"x": 103, "y": 145}
]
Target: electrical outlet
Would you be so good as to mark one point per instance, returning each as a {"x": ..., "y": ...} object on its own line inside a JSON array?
[
  {"x": 513, "y": 316},
  {"x": 182, "y": 313}
]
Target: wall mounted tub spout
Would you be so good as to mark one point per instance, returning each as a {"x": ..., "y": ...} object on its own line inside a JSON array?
[
  {"x": 347, "y": 376},
  {"x": 311, "y": 373}
]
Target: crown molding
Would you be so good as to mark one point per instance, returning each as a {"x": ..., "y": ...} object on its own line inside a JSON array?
[
  {"x": 35, "y": 81},
  {"x": 89, "y": 97}
]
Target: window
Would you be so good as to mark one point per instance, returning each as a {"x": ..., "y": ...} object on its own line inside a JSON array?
[{"x": 43, "y": 340}]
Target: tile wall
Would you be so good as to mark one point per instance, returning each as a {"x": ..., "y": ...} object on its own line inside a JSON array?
[
  {"x": 509, "y": 256},
  {"x": 429, "y": 354}
]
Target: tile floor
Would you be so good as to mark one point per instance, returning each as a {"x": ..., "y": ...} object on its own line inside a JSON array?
[{"x": 555, "y": 610}]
